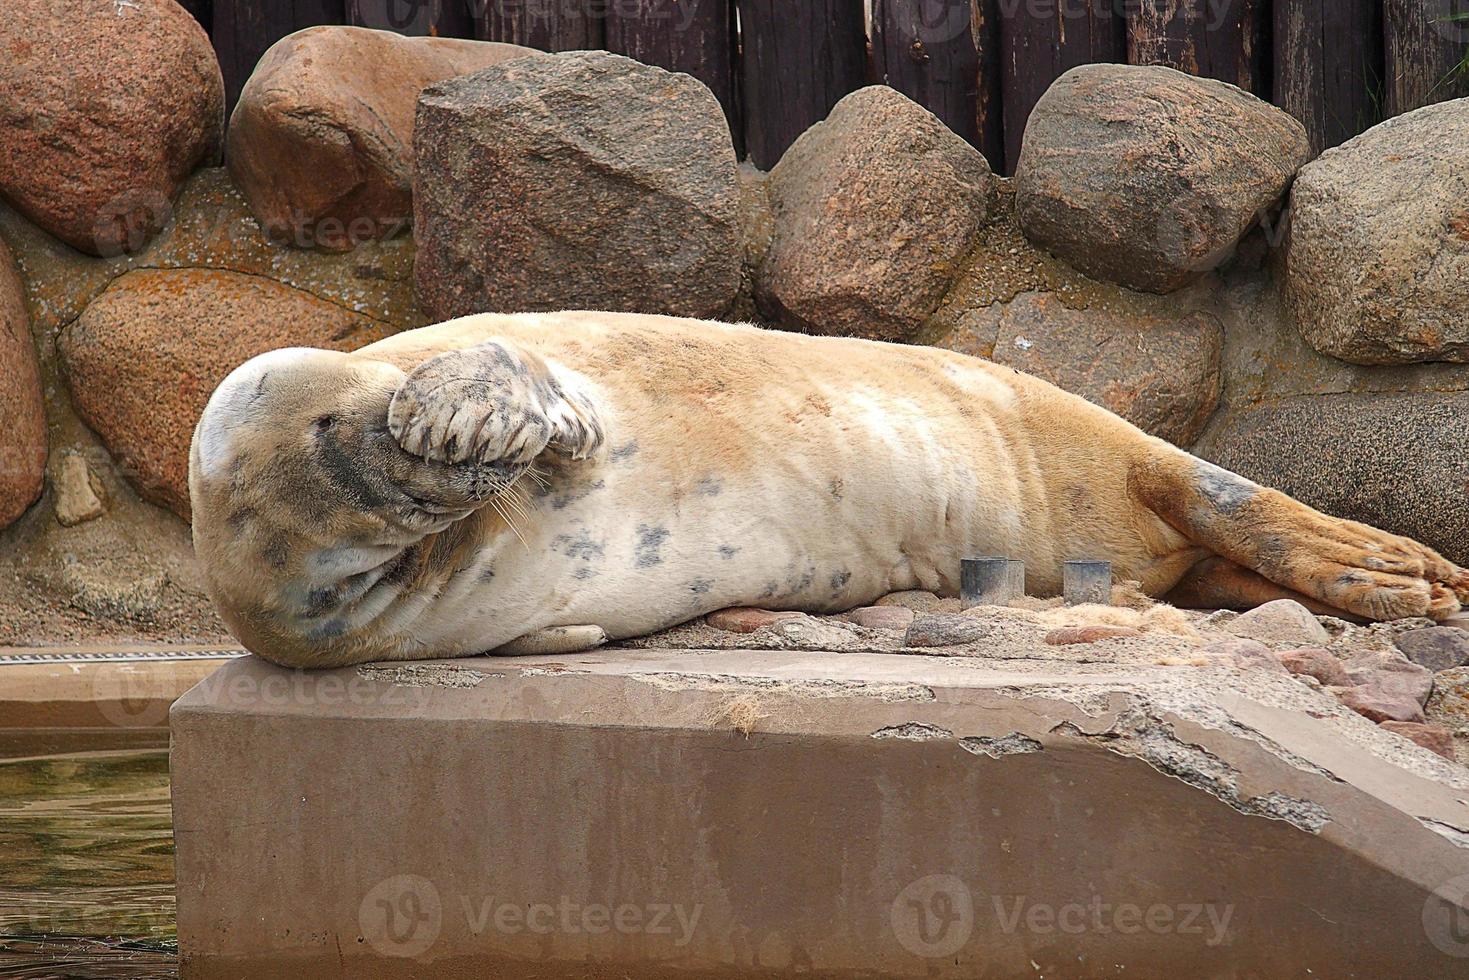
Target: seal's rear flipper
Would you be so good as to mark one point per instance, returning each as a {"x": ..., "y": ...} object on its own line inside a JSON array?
[
  {"x": 554, "y": 639},
  {"x": 1342, "y": 563}
]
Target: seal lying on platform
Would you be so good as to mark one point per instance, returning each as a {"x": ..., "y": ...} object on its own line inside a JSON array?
[{"x": 539, "y": 482}]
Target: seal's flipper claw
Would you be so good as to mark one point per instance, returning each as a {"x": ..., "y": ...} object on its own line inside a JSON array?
[
  {"x": 494, "y": 402},
  {"x": 555, "y": 639}
]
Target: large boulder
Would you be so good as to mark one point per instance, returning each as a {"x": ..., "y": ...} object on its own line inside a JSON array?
[
  {"x": 212, "y": 228},
  {"x": 1145, "y": 176},
  {"x": 575, "y": 180},
  {"x": 1161, "y": 373},
  {"x": 105, "y": 108},
  {"x": 873, "y": 208},
  {"x": 23, "y": 434},
  {"x": 321, "y": 141},
  {"x": 143, "y": 358},
  {"x": 1397, "y": 461},
  {"x": 1154, "y": 360},
  {"x": 1378, "y": 265}
]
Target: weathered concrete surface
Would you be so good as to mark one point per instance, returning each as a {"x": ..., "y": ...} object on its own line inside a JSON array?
[{"x": 734, "y": 813}]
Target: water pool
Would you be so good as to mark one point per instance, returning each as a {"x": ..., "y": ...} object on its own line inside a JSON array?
[{"x": 86, "y": 862}]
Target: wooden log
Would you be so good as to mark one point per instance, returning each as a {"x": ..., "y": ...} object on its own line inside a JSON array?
[
  {"x": 1328, "y": 66},
  {"x": 944, "y": 55},
  {"x": 417, "y": 18},
  {"x": 1223, "y": 39},
  {"x": 1039, "y": 42},
  {"x": 551, "y": 25},
  {"x": 693, "y": 36},
  {"x": 1426, "y": 53},
  {"x": 245, "y": 29},
  {"x": 798, "y": 60}
]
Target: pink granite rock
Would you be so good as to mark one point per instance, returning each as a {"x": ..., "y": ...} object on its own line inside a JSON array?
[
  {"x": 1376, "y": 704},
  {"x": 747, "y": 619},
  {"x": 1318, "y": 663},
  {"x": 1434, "y": 738}
]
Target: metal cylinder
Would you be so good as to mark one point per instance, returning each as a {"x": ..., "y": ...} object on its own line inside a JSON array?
[
  {"x": 1087, "y": 581},
  {"x": 990, "y": 581}
]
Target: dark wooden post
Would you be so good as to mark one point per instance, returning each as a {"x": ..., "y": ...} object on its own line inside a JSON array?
[
  {"x": 944, "y": 55},
  {"x": 1223, "y": 39},
  {"x": 1328, "y": 66},
  {"x": 245, "y": 29},
  {"x": 551, "y": 25},
  {"x": 693, "y": 36},
  {"x": 799, "y": 57},
  {"x": 1427, "y": 52},
  {"x": 1040, "y": 42},
  {"x": 419, "y": 18}
]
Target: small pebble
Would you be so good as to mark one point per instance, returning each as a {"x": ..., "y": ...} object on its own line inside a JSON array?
[
  {"x": 1375, "y": 704},
  {"x": 1390, "y": 671},
  {"x": 914, "y": 599},
  {"x": 946, "y": 630},
  {"x": 1239, "y": 652},
  {"x": 1316, "y": 663},
  {"x": 748, "y": 619},
  {"x": 1281, "y": 621},
  {"x": 883, "y": 617},
  {"x": 77, "y": 492}
]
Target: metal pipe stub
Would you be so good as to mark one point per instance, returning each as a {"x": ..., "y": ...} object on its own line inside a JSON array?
[
  {"x": 1087, "y": 582},
  {"x": 990, "y": 581}
]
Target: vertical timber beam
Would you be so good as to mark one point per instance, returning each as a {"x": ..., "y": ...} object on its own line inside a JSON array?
[
  {"x": 797, "y": 60},
  {"x": 1427, "y": 52},
  {"x": 1040, "y": 42},
  {"x": 550, "y": 25},
  {"x": 1328, "y": 66},
  {"x": 1223, "y": 39},
  {"x": 944, "y": 55}
]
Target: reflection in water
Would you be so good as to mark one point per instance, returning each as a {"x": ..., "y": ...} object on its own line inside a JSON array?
[{"x": 86, "y": 866}]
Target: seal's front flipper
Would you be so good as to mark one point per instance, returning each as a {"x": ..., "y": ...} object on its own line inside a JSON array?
[
  {"x": 555, "y": 639},
  {"x": 495, "y": 402}
]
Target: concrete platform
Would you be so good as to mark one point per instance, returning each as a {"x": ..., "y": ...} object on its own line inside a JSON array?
[{"x": 654, "y": 814}]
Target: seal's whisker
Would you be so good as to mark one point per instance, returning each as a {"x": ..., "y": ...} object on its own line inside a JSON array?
[
  {"x": 495, "y": 503},
  {"x": 513, "y": 505}
]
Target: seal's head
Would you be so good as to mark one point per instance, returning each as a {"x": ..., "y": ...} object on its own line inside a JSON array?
[{"x": 303, "y": 501}]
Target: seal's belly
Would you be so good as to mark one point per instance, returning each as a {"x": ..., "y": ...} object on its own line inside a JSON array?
[{"x": 826, "y": 509}]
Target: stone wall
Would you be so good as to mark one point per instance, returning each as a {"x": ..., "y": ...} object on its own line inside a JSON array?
[{"x": 1167, "y": 249}]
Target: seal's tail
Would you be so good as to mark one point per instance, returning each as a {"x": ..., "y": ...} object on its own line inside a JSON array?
[{"x": 1342, "y": 563}]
